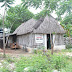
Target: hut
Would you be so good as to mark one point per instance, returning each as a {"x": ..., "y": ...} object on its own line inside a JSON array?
[
  {"x": 1, "y": 38},
  {"x": 36, "y": 33}
]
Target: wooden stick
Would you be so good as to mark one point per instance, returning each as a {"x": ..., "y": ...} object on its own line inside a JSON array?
[{"x": 51, "y": 44}]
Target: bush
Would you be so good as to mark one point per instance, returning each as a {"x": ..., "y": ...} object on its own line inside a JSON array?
[
  {"x": 59, "y": 62},
  {"x": 4, "y": 69},
  {"x": 69, "y": 46},
  {"x": 43, "y": 63},
  {"x": 34, "y": 63}
]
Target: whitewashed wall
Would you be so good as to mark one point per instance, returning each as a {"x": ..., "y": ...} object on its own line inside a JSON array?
[
  {"x": 10, "y": 40},
  {"x": 23, "y": 39},
  {"x": 33, "y": 42},
  {"x": 29, "y": 40},
  {"x": 58, "y": 42}
]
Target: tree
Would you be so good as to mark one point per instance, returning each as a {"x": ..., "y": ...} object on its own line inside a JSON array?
[
  {"x": 65, "y": 7},
  {"x": 6, "y": 4},
  {"x": 17, "y": 15},
  {"x": 48, "y": 5},
  {"x": 0, "y": 23},
  {"x": 41, "y": 14},
  {"x": 67, "y": 24}
]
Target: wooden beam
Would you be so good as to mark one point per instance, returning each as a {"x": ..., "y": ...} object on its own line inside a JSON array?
[{"x": 51, "y": 44}]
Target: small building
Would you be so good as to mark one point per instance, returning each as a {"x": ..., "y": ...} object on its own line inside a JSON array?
[
  {"x": 36, "y": 33},
  {"x": 1, "y": 38}
]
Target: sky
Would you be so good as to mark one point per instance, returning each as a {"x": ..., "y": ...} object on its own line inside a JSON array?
[{"x": 33, "y": 10}]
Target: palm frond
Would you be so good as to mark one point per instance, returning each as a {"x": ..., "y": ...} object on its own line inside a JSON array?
[
  {"x": 3, "y": 4},
  {"x": 8, "y": 6},
  {"x": 1, "y": 0}
]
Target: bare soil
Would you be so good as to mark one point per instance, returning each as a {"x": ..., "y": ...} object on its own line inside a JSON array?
[{"x": 15, "y": 52}]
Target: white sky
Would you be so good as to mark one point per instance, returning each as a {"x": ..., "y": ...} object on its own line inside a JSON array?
[{"x": 33, "y": 10}]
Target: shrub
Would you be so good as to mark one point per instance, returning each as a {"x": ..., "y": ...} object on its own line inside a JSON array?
[
  {"x": 43, "y": 63},
  {"x": 34, "y": 63},
  {"x": 59, "y": 62},
  {"x": 68, "y": 46},
  {"x": 9, "y": 59},
  {"x": 4, "y": 69}
]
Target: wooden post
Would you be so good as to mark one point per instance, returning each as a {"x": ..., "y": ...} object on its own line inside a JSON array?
[{"x": 51, "y": 44}]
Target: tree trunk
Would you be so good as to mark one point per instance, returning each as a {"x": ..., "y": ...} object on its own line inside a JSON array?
[{"x": 4, "y": 32}]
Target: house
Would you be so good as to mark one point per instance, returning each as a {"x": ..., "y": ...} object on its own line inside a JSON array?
[
  {"x": 1, "y": 38},
  {"x": 37, "y": 33}
]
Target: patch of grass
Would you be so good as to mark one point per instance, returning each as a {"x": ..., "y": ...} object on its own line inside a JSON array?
[
  {"x": 35, "y": 62},
  {"x": 67, "y": 50},
  {"x": 10, "y": 59},
  {"x": 4, "y": 69},
  {"x": 45, "y": 63},
  {"x": 40, "y": 62}
]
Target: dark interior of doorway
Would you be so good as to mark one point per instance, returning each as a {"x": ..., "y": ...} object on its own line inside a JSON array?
[
  {"x": 14, "y": 38},
  {"x": 48, "y": 42}
]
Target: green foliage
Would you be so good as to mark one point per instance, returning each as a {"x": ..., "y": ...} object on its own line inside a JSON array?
[
  {"x": 4, "y": 69},
  {"x": 68, "y": 46},
  {"x": 17, "y": 15},
  {"x": 0, "y": 23},
  {"x": 7, "y": 3},
  {"x": 67, "y": 50},
  {"x": 67, "y": 19},
  {"x": 59, "y": 62},
  {"x": 65, "y": 6},
  {"x": 9, "y": 59},
  {"x": 35, "y": 51},
  {"x": 67, "y": 24},
  {"x": 40, "y": 63},
  {"x": 34, "y": 63},
  {"x": 44, "y": 63},
  {"x": 41, "y": 14},
  {"x": 48, "y": 5}
]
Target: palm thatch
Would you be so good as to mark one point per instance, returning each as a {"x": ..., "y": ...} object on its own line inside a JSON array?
[
  {"x": 38, "y": 23},
  {"x": 45, "y": 25},
  {"x": 25, "y": 28},
  {"x": 49, "y": 25}
]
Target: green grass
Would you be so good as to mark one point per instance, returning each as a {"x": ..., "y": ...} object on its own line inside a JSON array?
[
  {"x": 45, "y": 63},
  {"x": 67, "y": 50}
]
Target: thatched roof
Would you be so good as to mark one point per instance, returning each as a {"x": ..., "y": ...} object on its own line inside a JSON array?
[
  {"x": 25, "y": 28},
  {"x": 37, "y": 24},
  {"x": 45, "y": 25},
  {"x": 49, "y": 25}
]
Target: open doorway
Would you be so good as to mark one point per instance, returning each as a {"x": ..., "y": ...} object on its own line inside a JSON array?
[
  {"x": 48, "y": 42},
  {"x": 14, "y": 38}
]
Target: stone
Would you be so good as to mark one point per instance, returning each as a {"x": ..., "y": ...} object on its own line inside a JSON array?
[
  {"x": 11, "y": 66},
  {"x": 30, "y": 50},
  {"x": 56, "y": 71},
  {"x": 0, "y": 64},
  {"x": 26, "y": 69}
]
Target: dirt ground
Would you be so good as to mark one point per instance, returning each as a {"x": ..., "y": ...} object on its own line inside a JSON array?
[
  {"x": 20, "y": 52},
  {"x": 15, "y": 52}
]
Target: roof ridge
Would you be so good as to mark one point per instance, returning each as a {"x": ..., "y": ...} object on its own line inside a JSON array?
[{"x": 38, "y": 23}]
